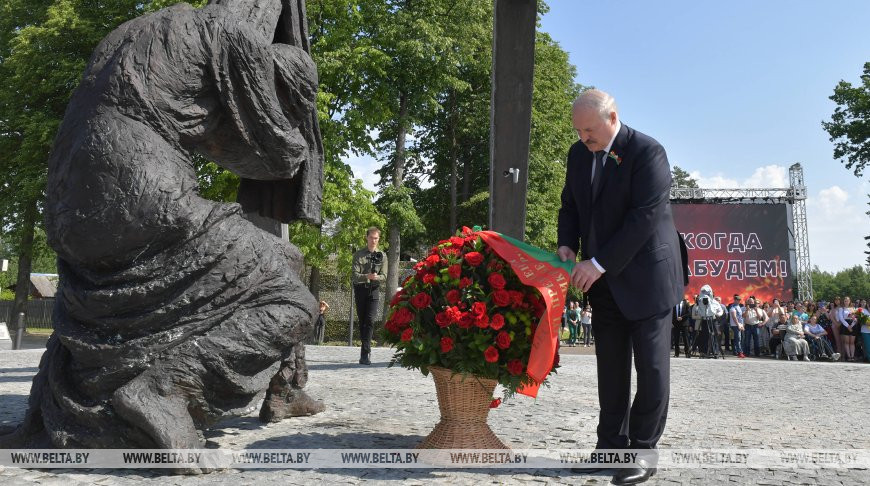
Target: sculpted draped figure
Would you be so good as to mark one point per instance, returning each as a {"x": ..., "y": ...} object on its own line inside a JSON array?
[{"x": 174, "y": 311}]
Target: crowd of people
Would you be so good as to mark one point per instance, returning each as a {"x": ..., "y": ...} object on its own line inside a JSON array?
[
  {"x": 576, "y": 325},
  {"x": 794, "y": 330}
]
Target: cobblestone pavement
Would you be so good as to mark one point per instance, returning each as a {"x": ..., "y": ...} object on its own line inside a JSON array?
[{"x": 714, "y": 404}]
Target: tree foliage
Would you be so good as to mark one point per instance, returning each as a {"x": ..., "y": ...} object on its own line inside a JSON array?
[
  {"x": 849, "y": 127},
  {"x": 405, "y": 81},
  {"x": 463, "y": 126},
  {"x": 681, "y": 178},
  {"x": 854, "y": 282}
]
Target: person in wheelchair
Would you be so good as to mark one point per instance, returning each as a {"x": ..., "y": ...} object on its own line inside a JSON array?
[
  {"x": 777, "y": 333},
  {"x": 817, "y": 337},
  {"x": 794, "y": 343}
]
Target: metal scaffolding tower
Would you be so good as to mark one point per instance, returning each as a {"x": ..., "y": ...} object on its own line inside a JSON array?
[
  {"x": 794, "y": 195},
  {"x": 801, "y": 238}
]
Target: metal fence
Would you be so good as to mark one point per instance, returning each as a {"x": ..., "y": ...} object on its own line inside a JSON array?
[
  {"x": 335, "y": 289},
  {"x": 37, "y": 313}
]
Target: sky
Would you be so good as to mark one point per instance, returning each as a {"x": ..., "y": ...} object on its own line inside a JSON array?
[{"x": 735, "y": 91}]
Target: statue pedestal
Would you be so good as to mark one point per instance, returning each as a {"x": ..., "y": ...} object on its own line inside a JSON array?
[{"x": 5, "y": 339}]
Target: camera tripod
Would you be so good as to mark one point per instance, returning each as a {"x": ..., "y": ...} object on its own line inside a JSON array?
[{"x": 714, "y": 350}]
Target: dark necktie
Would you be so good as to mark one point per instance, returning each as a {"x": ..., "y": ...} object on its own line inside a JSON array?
[{"x": 599, "y": 172}]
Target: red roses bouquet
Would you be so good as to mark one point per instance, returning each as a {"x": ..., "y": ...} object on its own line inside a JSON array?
[
  {"x": 467, "y": 310},
  {"x": 861, "y": 317}
]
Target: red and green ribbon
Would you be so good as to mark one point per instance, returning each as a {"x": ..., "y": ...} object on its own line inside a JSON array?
[{"x": 550, "y": 276}]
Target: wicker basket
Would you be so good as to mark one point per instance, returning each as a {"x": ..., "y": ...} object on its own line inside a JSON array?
[{"x": 464, "y": 403}]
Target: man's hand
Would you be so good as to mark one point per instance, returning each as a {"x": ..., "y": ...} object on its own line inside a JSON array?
[
  {"x": 584, "y": 275},
  {"x": 372, "y": 276},
  {"x": 566, "y": 254}
]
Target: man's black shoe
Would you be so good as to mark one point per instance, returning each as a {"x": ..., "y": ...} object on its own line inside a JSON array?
[{"x": 639, "y": 473}]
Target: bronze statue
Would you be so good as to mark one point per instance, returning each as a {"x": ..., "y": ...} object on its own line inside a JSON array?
[{"x": 174, "y": 311}]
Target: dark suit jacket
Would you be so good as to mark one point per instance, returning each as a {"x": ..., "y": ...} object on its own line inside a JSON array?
[
  {"x": 685, "y": 312},
  {"x": 637, "y": 243}
]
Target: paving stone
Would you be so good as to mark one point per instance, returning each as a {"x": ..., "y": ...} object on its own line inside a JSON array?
[{"x": 717, "y": 404}]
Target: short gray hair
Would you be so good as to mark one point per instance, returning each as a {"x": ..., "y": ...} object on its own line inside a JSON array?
[{"x": 597, "y": 100}]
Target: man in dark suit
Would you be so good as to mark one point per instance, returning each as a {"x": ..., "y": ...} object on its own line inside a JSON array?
[
  {"x": 680, "y": 321},
  {"x": 616, "y": 202}
]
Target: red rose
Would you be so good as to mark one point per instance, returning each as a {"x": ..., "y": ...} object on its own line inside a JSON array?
[
  {"x": 447, "y": 345},
  {"x": 428, "y": 278},
  {"x": 391, "y": 326},
  {"x": 452, "y": 297},
  {"x": 466, "y": 320},
  {"x": 478, "y": 308},
  {"x": 408, "y": 334},
  {"x": 540, "y": 308},
  {"x": 397, "y": 297},
  {"x": 421, "y": 300},
  {"x": 501, "y": 298},
  {"x": 497, "y": 322},
  {"x": 495, "y": 403},
  {"x": 403, "y": 316},
  {"x": 481, "y": 321},
  {"x": 503, "y": 340},
  {"x": 454, "y": 271},
  {"x": 432, "y": 260},
  {"x": 474, "y": 258},
  {"x": 457, "y": 241},
  {"x": 516, "y": 298},
  {"x": 464, "y": 282},
  {"x": 454, "y": 314},
  {"x": 491, "y": 354},
  {"x": 515, "y": 367},
  {"x": 496, "y": 281},
  {"x": 450, "y": 251},
  {"x": 466, "y": 231},
  {"x": 442, "y": 319}
]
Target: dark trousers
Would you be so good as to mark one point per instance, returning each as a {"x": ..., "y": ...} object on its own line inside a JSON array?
[
  {"x": 726, "y": 335},
  {"x": 681, "y": 333},
  {"x": 621, "y": 423},
  {"x": 708, "y": 333},
  {"x": 367, "y": 299}
]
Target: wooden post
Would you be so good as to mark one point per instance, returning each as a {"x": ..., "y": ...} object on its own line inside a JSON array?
[{"x": 513, "y": 64}]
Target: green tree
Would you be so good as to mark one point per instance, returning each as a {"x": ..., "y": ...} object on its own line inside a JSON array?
[
  {"x": 854, "y": 282},
  {"x": 849, "y": 127},
  {"x": 551, "y": 137},
  {"x": 458, "y": 135},
  {"x": 681, "y": 178},
  {"x": 416, "y": 56},
  {"x": 44, "y": 47}
]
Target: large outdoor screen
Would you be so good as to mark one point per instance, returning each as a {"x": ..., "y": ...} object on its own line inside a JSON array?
[{"x": 737, "y": 249}]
